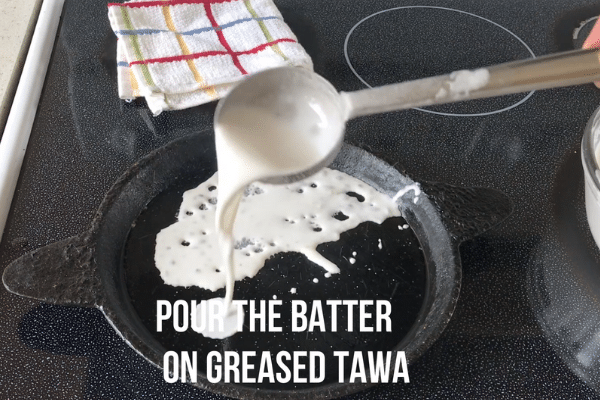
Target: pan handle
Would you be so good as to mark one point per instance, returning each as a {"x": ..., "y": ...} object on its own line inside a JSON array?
[
  {"x": 468, "y": 212},
  {"x": 61, "y": 273}
]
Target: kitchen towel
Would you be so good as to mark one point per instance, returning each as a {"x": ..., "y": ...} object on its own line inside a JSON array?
[
  {"x": 593, "y": 41},
  {"x": 182, "y": 53}
]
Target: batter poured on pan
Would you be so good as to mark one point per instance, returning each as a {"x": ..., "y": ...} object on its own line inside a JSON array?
[{"x": 271, "y": 219}]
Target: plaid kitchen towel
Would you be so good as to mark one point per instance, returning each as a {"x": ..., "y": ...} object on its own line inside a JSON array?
[
  {"x": 181, "y": 53},
  {"x": 593, "y": 41}
]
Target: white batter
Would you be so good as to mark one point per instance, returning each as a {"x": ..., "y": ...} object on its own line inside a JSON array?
[
  {"x": 205, "y": 249},
  {"x": 258, "y": 146},
  {"x": 463, "y": 82},
  {"x": 271, "y": 219}
]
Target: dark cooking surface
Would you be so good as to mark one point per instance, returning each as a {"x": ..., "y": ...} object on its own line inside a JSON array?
[
  {"x": 528, "y": 312},
  {"x": 396, "y": 273}
]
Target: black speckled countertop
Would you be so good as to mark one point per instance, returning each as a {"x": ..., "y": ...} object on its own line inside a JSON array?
[{"x": 526, "y": 321}]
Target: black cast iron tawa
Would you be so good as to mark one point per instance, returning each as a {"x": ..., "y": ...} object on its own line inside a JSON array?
[{"x": 110, "y": 266}]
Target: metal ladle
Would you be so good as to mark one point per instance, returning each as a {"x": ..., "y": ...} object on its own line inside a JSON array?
[{"x": 312, "y": 107}]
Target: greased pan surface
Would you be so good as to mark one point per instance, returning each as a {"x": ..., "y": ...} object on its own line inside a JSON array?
[{"x": 110, "y": 266}]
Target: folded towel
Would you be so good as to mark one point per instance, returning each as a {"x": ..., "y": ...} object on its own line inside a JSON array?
[
  {"x": 182, "y": 53},
  {"x": 593, "y": 41}
]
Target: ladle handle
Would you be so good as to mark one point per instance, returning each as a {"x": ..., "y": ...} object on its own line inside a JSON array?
[{"x": 554, "y": 70}]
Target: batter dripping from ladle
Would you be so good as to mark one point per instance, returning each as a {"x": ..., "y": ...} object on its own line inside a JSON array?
[{"x": 265, "y": 135}]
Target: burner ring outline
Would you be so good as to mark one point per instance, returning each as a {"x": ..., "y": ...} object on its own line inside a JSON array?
[{"x": 347, "y": 57}]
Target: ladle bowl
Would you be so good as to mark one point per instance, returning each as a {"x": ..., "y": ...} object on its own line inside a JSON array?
[{"x": 291, "y": 118}]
